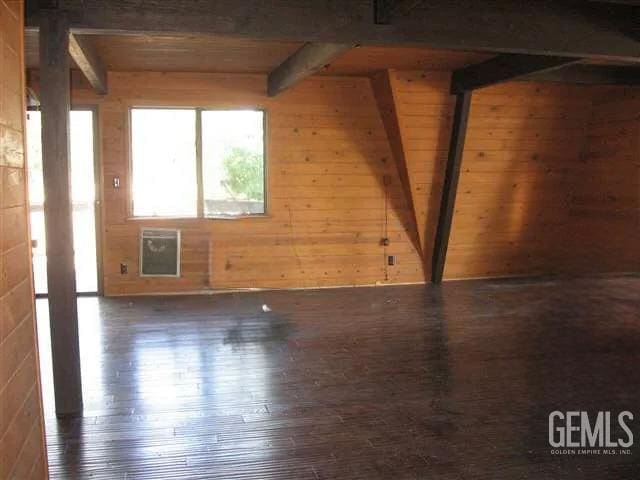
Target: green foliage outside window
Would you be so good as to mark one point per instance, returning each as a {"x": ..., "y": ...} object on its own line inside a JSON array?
[{"x": 245, "y": 173}]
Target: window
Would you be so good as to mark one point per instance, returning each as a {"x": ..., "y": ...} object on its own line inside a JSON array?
[
  {"x": 163, "y": 151},
  {"x": 193, "y": 162},
  {"x": 232, "y": 162}
]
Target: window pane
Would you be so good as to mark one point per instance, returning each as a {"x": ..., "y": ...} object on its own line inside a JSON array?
[
  {"x": 164, "y": 162},
  {"x": 233, "y": 162},
  {"x": 82, "y": 200},
  {"x": 83, "y": 194}
]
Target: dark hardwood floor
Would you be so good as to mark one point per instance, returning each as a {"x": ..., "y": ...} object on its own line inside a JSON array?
[{"x": 450, "y": 382}]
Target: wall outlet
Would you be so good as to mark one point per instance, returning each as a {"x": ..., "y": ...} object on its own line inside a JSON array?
[
  {"x": 123, "y": 269},
  {"x": 391, "y": 260}
]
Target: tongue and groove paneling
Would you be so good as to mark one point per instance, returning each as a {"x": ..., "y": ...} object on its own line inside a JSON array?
[
  {"x": 605, "y": 203},
  {"x": 22, "y": 453},
  {"x": 416, "y": 108},
  {"x": 384, "y": 91},
  {"x": 522, "y": 160}
]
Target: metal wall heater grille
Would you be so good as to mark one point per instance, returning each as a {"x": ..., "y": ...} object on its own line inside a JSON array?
[{"x": 159, "y": 252}]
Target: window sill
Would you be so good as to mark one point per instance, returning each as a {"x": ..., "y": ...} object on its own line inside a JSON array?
[
  {"x": 197, "y": 219},
  {"x": 237, "y": 217},
  {"x": 152, "y": 219}
]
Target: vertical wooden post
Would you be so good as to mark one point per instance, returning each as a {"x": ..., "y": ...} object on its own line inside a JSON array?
[
  {"x": 63, "y": 311},
  {"x": 450, "y": 187}
]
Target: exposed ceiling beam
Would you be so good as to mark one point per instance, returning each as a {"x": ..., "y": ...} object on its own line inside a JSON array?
[
  {"x": 543, "y": 27},
  {"x": 310, "y": 58},
  {"x": 619, "y": 2},
  {"x": 619, "y": 8},
  {"x": 386, "y": 10},
  {"x": 590, "y": 75},
  {"x": 88, "y": 61},
  {"x": 504, "y": 68}
]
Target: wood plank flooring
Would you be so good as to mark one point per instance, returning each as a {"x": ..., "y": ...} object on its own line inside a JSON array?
[{"x": 406, "y": 382}]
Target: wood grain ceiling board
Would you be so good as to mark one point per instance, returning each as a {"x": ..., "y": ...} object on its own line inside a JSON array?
[{"x": 240, "y": 55}]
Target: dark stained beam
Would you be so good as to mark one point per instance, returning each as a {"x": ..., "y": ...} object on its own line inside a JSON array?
[
  {"x": 543, "y": 27},
  {"x": 450, "y": 187},
  {"x": 310, "y": 58},
  {"x": 84, "y": 54},
  {"x": 382, "y": 11},
  {"x": 619, "y": 2},
  {"x": 63, "y": 314},
  {"x": 386, "y": 10},
  {"x": 590, "y": 75},
  {"x": 627, "y": 8},
  {"x": 504, "y": 68},
  {"x": 46, "y": 4},
  {"x": 405, "y": 7}
]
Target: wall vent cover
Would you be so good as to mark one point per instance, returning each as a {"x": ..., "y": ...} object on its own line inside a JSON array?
[{"x": 159, "y": 252}]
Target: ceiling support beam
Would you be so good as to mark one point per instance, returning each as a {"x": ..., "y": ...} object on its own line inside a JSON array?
[
  {"x": 382, "y": 11},
  {"x": 310, "y": 58},
  {"x": 55, "y": 99},
  {"x": 543, "y": 27},
  {"x": 590, "y": 75},
  {"x": 619, "y": 2},
  {"x": 86, "y": 58},
  {"x": 450, "y": 187},
  {"x": 386, "y": 10},
  {"x": 504, "y": 68}
]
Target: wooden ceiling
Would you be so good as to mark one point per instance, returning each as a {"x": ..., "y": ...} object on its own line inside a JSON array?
[
  {"x": 239, "y": 55},
  {"x": 191, "y": 54},
  {"x": 366, "y": 60}
]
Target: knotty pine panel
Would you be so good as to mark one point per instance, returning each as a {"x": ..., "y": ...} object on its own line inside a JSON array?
[
  {"x": 22, "y": 453},
  {"x": 605, "y": 203},
  {"x": 327, "y": 157},
  {"x": 423, "y": 109},
  {"x": 523, "y": 158}
]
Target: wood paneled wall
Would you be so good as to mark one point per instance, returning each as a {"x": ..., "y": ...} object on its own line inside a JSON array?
[
  {"x": 522, "y": 161},
  {"x": 329, "y": 162},
  {"x": 423, "y": 110},
  {"x": 333, "y": 190},
  {"x": 605, "y": 198},
  {"x": 22, "y": 453}
]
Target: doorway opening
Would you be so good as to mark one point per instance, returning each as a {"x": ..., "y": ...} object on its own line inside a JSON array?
[{"x": 83, "y": 198}]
